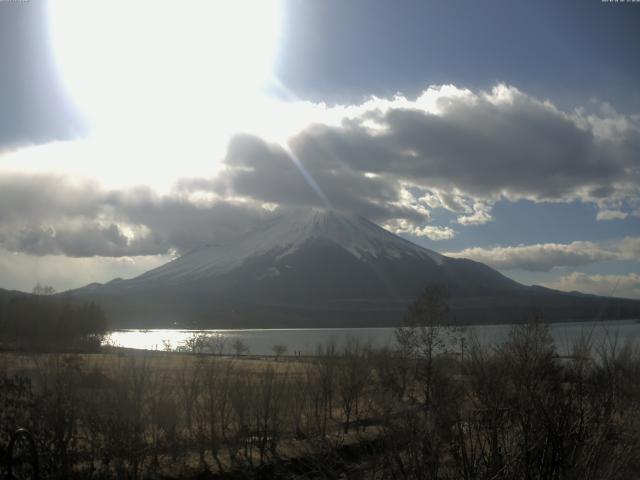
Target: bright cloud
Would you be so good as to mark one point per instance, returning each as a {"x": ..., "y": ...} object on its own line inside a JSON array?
[
  {"x": 627, "y": 286},
  {"x": 430, "y": 231},
  {"x": 545, "y": 256},
  {"x": 611, "y": 215}
]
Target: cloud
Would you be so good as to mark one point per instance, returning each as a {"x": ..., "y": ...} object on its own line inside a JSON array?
[
  {"x": 84, "y": 239},
  {"x": 453, "y": 149},
  {"x": 611, "y": 215},
  {"x": 626, "y": 286},
  {"x": 435, "y": 233},
  {"x": 56, "y": 215},
  {"x": 47, "y": 214},
  {"x": 545, "y": 256},
  {"x": 267, "y": 172},
  {"x": 431, "y": 232},
  {"x": 391, "y": 160},
  {"x": 41, "y": 197},
  {"x": 479, "y": 216}
]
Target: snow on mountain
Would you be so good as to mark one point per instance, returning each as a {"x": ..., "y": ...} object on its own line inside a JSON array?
[{"x": 283, "y": 236}]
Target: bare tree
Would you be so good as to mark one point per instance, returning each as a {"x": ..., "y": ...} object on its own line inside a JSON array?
[
  {"x": 239, "y": 347},
  {"x": 423, "y": 337},
  {"x": 43, "y": 290},
  {"x": 217, "y": 343},
  {"x": 352, "y": 377},
  {"x": 279, "y": 350},
  {"x": 216, "y": 407}
]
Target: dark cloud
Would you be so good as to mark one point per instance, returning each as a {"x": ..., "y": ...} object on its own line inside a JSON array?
[
  {"x": 516, "y": 148},
  {"x": 52, "y": 214},
  {"x": 42, "y": 197},
  {"x": 269, "y": 173},
  {"x": 84, "y": 239},
  {"x": 465, "y": 151},
  {"x": 177, "y": 222}
]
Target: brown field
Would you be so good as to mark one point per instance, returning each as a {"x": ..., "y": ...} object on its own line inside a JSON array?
[{"x": 29, "y": 363}]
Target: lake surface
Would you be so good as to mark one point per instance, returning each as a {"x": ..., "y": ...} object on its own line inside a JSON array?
[{"x": 306, "y": 341}]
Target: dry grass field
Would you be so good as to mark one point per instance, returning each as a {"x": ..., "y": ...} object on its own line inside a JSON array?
[{"x": 29, "y": 363}]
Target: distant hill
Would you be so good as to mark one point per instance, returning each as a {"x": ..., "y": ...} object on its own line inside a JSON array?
[
  {"x": 6, "y": 295},
  {"x": 323, "y": 268}
]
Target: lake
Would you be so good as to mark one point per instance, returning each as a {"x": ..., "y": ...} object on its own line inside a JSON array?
[{"x": 305, "y": 341}]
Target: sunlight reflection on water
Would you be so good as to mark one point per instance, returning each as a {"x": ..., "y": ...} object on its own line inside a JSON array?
[{"x": 305, "y": 341}]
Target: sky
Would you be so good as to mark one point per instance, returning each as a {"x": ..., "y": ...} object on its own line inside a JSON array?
[{"x": 505, "y": 132}]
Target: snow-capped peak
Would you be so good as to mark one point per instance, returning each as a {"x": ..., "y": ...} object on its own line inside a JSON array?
[{"x": 285, "y": 234}]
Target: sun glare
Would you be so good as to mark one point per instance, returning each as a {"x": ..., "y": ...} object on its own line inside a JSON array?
[{"x": 164, "y": 66}]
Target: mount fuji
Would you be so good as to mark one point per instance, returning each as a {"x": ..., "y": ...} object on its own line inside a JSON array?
[{"x": 319, "y": 268}]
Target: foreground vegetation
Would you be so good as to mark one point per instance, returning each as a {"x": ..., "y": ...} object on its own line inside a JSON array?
[
  {"x": 516, "y": 411},
  {"x": 429, "y": 409}
]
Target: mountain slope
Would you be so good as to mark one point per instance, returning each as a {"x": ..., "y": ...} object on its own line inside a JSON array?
[
  {"x": 314, "y": 268},
  {"x": 287, "y": 235}
]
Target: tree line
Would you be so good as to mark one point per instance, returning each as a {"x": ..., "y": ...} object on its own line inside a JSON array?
[{"x": 43, "y": 320}]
